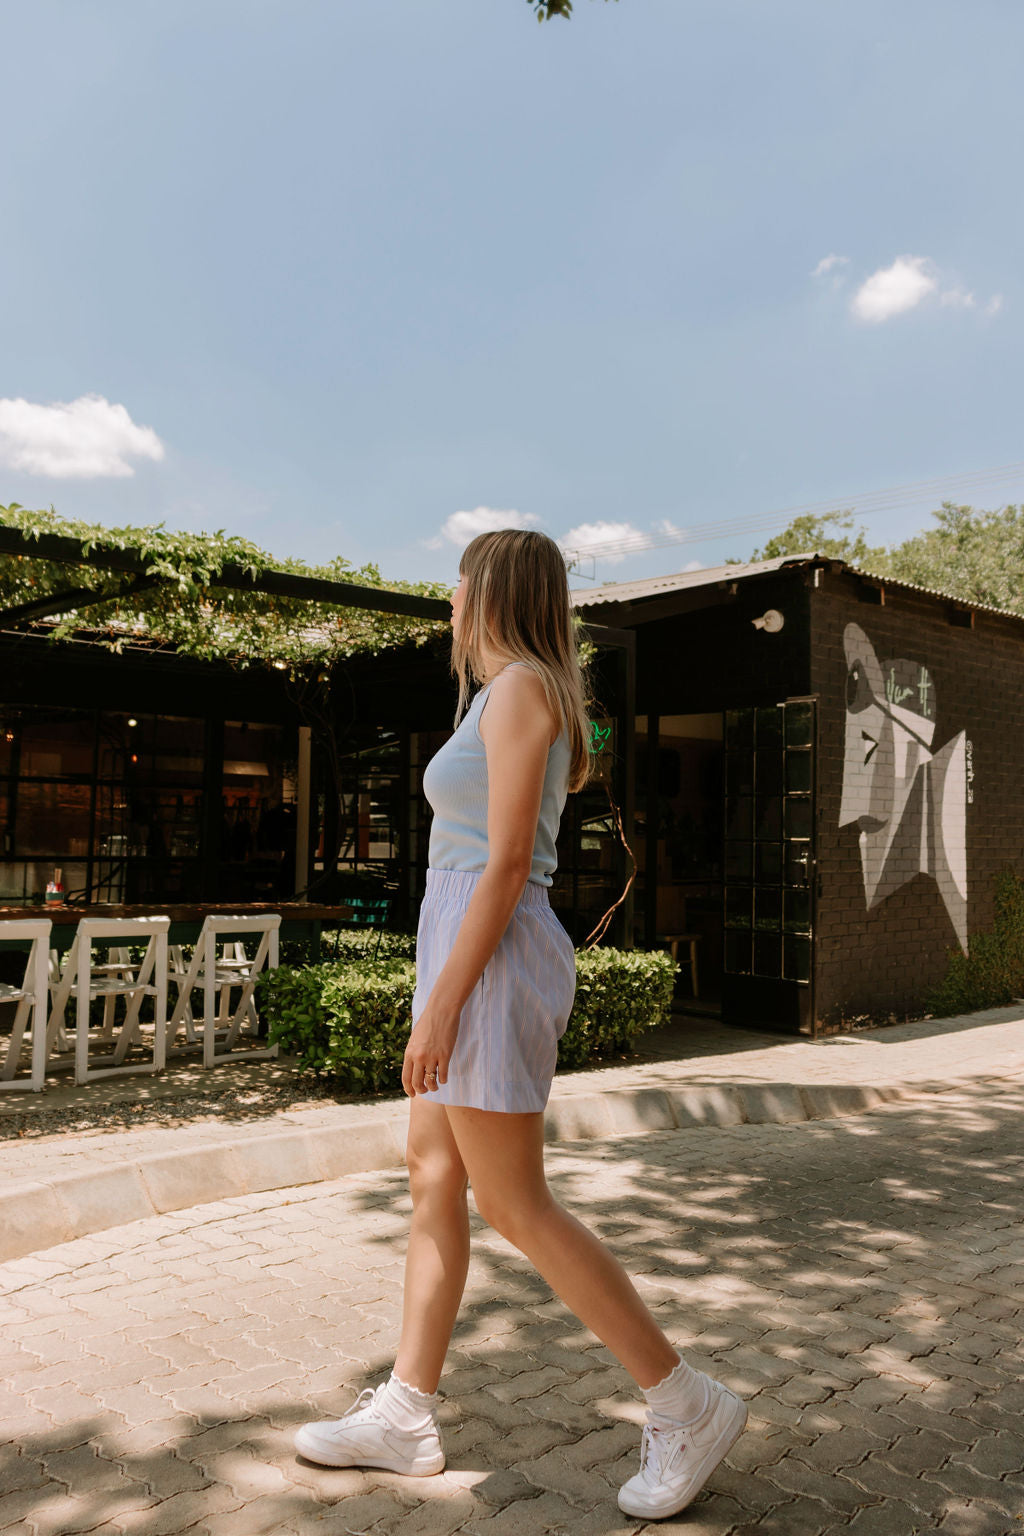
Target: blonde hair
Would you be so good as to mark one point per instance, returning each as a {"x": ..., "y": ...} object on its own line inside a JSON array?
[{"x": 517, "y": 606}]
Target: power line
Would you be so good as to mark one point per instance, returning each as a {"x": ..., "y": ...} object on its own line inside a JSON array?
[{"x": 945, "y": 488}]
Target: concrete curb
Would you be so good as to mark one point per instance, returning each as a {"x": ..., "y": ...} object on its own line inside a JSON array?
[{"x": 34, "y": 1216}]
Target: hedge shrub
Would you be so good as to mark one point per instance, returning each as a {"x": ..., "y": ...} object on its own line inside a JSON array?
[
  {"x": 352, "y": 944},
  {"x": 991, "y": 974},
  {"x": 358, "y": 944},
  {"x": 348, "y": 1020},
  {"x": 620, "y": 995}
]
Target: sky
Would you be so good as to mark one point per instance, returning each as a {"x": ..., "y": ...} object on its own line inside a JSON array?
[{"x": 364, "y": 280}]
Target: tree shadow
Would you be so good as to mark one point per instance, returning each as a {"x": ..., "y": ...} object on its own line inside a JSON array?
[
  {"x": 855, "y": 1274},
  {"x": 855, "y": 1279}
]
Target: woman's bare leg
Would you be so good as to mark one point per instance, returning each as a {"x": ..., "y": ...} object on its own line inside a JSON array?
[
  {"x": 437, "y": 1258},
  {"x": 504, "y": 1157}
]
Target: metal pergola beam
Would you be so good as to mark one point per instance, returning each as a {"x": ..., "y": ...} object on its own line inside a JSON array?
[
  {"x": 73, "y": 598},
  {"x": 310, "y": 589}
]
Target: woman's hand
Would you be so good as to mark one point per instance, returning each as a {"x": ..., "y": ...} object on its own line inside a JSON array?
[{"x": 429, "y": 1050}]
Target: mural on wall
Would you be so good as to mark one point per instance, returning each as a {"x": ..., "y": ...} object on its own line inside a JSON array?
[{"x": 908, "y": 802}]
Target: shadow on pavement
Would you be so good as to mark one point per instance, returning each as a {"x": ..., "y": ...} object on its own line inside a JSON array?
[{"x": 858, "y": 1280}]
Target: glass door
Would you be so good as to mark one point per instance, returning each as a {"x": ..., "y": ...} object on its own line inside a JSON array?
[{"x": 768, "y": 894}]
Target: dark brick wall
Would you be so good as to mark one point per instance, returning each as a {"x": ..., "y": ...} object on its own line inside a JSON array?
[{"x": 884, "y": 960}]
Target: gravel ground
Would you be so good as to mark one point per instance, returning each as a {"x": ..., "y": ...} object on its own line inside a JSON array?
[{"x": 238, "y": 1104}]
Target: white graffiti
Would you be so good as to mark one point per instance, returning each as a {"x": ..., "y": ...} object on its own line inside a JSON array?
[{"x": 908, "y": 803}]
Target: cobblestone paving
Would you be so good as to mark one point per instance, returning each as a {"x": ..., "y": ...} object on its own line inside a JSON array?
[
  {"x": 858, "y": 1280},
  {"x": 930, "y": 1053}
]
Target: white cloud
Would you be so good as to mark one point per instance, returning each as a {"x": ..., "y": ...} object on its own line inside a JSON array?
[
  {"x": 84, "y": 439},
  {"x": 463, "y": 526},
  {"x": 594, "y": 538},
  {"x": 910, "y": 281},
  {"x": 828, "y": 262},
  {"x": 957, "y": 298},
  {"x": 895, "y": 290}
]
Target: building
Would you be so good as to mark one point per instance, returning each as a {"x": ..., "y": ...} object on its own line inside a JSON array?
[
  {"x": 146, "y": 775},
  {"x": 827, "y": 781},
  {"x": 815, "y": 769}
]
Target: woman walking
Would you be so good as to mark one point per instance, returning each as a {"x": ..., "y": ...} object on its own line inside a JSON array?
[{"x": 495, "y": 984}]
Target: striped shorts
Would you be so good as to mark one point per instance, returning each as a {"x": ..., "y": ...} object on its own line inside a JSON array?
[{"x": 505, "y": 1055}]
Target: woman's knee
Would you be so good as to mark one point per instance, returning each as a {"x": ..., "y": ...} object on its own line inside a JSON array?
[
  {"x": 435, "y": 1174},
  {"x": 514, "y": 1214}
]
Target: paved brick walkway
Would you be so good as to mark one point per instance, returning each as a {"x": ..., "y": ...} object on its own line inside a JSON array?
[
  {"x": 929, "y": 1053},
  {"x": 859, "y": 1280}
]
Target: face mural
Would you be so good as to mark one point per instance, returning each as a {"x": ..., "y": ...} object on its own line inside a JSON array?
[{"x": 909, "y": 804}]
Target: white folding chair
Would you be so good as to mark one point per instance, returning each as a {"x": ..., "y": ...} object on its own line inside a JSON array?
[
  {"x": 186, "y": 978},
  {"x": 181, "y": 1016},
  {"x": 30, "y": 1000},
  {"x": 216, "y": 979},
  {"x": 111, "y": 980}
]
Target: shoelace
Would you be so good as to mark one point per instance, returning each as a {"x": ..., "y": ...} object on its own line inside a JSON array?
[
  {"x": 365, "y": 1404},
  {"x": 658, "y": 1447}
]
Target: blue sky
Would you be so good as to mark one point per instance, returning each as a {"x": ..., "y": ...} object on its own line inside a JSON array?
[{"x": 347, "y": 271}]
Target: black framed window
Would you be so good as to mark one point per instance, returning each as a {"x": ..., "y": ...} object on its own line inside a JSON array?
[{"x": 769, "y": 830}]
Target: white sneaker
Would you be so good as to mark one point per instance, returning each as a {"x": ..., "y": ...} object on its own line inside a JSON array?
[
  {"x": 676, "y": 1460},
  {"x": 366, "y": 1437}
]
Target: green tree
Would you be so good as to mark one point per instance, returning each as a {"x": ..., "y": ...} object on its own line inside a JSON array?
[
  {"x": 972, "y": 554},
  {"x": 969, "y": 553},
  {"x": 821, "y": 535},
  {"x": 547, "y": 8}
]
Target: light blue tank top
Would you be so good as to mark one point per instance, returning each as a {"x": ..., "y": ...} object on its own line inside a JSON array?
[{"x": 455, "y": 784}]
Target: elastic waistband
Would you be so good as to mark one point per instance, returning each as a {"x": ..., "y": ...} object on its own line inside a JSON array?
[{"x": 460, "y": 882}]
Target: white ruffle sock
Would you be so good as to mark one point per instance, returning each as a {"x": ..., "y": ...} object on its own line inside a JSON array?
[
  {"x": 407, "y": 1407},
  {"x": 682, "y": 1396}
]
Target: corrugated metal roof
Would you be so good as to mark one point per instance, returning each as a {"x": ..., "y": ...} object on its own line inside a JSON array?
[
  {"x": 681, "y": 581},
  {"x": 949, "y": 597}
]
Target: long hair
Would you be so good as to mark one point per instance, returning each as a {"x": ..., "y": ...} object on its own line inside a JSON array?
[{"x": 517, "y": 606}]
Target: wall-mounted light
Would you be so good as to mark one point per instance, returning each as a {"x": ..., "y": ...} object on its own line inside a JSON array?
[
  {"x": 771, "y": 621},
  {"x": 132, "y": 720}
]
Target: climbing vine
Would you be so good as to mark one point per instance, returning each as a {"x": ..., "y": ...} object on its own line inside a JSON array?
[{"x": 178, "y": 605}]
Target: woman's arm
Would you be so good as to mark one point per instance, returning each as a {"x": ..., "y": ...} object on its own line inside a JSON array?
[{"x": 517, "y": 728}]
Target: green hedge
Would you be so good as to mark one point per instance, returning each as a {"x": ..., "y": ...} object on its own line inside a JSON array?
[
  {"x": 348, "y": 1020},
  {"x": 352, "y": 944},
  {"x": 991, "y": 974},
  {"x": 620, "y": 995},
  {"x": 358, "y": 944}
]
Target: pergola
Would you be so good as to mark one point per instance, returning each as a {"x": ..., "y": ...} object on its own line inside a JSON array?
[{"x": 135, "y": 566}]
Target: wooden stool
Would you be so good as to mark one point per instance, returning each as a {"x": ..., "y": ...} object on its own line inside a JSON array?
[{"x": 674, "y": 942}]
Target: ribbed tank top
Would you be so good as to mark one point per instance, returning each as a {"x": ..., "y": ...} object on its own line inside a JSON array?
[{"x": 455, "y": 784}]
